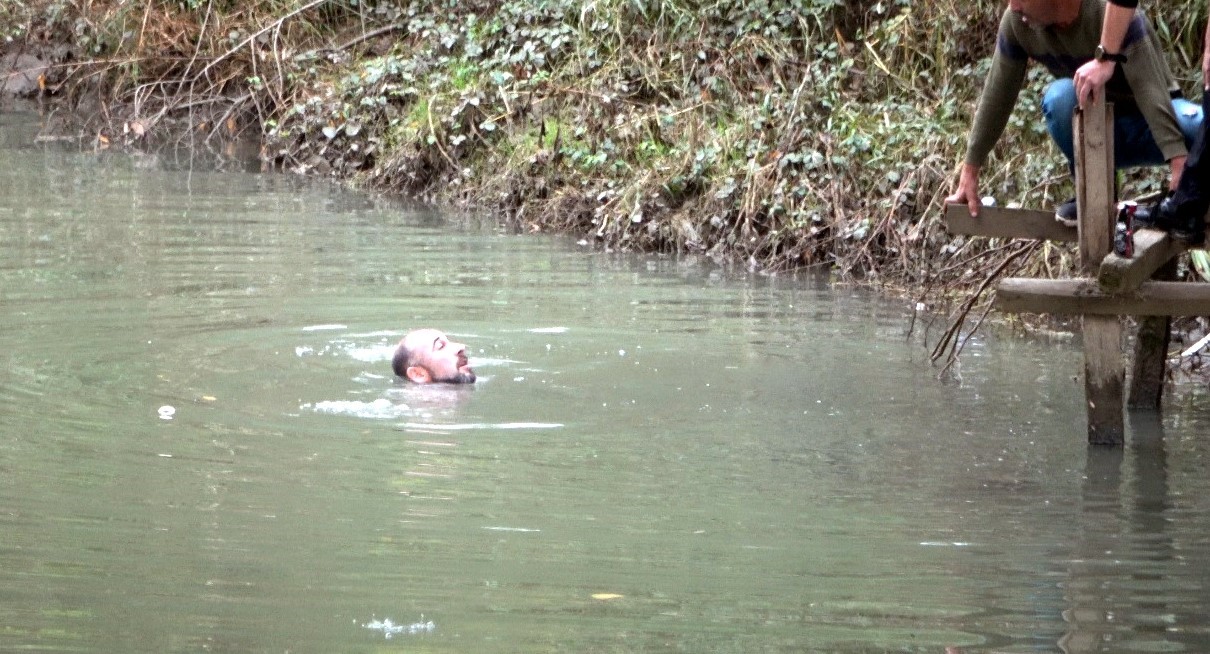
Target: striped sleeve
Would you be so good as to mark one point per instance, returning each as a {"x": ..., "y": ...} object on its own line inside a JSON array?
[
  {"x": 1135, "y": 32},
  {"x": 1010, "y": 49}
]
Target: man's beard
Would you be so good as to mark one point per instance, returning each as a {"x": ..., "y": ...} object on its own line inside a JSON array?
[{"x": 461, "y": 377}]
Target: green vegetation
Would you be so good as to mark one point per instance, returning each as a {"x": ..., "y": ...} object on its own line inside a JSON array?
[{"x": 770, "y": 133}]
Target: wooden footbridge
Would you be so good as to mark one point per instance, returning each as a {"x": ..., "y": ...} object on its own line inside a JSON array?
[{"x": 1112, "y": 286}]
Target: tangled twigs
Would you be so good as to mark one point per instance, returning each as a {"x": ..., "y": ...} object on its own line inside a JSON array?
[
  {"x": 276, "y": 24},
  {"x": 952, "y": 341}
]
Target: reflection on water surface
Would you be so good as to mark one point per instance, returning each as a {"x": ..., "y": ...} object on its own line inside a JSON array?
[{"x": 659, "y": 456}]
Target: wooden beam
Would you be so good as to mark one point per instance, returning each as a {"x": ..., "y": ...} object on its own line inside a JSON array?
[
  {"x": 1152, "y": 249},
  {"x": 999, "y": 222},
  {"x": 1084, "y": 296},
  {"x": 1149, "y": 365},
  {"x": 1104, "y": 379},
  {"x": 1104, "y": 370},
  {"x": 1094, "y": 182}
]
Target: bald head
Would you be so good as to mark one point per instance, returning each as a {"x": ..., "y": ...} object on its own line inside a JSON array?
[{"x": 428, "y": 356}]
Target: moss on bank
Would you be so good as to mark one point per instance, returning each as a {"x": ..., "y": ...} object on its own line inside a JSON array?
[{"x": 770, "y": 133}]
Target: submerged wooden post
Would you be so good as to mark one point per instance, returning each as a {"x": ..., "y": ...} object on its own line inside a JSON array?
[
  {"x": 1150, "y": 353},
  {"x": 1110, "y": 287},
  {"x": 1104, "y": 369}
]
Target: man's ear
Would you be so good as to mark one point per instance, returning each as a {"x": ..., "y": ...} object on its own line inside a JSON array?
[{"x": 418, "y": 374}]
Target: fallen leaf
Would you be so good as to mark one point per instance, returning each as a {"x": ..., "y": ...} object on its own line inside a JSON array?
[{"x": 209, "y": 398}]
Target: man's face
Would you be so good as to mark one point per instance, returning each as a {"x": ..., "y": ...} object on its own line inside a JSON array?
[{"x": 441, "y": 359}]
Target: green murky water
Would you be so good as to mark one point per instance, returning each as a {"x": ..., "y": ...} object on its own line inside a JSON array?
[{"x": 202, "y": 447}]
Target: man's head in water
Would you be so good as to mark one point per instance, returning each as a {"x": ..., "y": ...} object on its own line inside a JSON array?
[{"x": 427, "y": 356}]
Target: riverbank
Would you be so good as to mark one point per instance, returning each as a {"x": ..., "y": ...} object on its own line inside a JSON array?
[
  {"x": 768, "y": 135},
  {"x": 771, "y": 135}
]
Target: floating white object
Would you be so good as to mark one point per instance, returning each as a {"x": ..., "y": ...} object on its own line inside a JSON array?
[
  {"x": 166, "y": 412},
  {"x": 1196, "y": 347}
]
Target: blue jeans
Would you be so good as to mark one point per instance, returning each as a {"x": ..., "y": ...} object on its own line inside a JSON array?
[{"x": 1133, "y": 145}]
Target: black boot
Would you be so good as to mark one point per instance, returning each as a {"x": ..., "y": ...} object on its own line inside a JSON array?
[
  {"x": 1183, "y": 212},
  {"x": 1184, "y": 222}
]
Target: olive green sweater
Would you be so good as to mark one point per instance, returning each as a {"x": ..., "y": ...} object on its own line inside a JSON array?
[{"x": 1144, "y": 84}]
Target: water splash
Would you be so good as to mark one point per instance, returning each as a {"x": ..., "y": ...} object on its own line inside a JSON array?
[{"x": 380, "y": 409}]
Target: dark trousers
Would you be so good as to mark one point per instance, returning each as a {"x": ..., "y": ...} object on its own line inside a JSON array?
[{"x": 1192, "y": 197}]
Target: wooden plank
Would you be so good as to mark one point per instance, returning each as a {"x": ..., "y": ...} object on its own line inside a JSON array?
[
  {"x": 999, "y": 222},
  {"x": 1152, "y": 249},
  {"x": 1104, "y": 370},
  {"x": 1150, "y": 362},
  {"x": 1084, "y": 296},
  {"x": 1094, "y": 182},
  {"x": 1149, "y": 365},
  {"x": 1104, "y": 379}
]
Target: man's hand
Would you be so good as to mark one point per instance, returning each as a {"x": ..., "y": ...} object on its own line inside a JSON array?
[
  {"x": 1090, "y": 80},
  {"x": 968, "y": 189}
]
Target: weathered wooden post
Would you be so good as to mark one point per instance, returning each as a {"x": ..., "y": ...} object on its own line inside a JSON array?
[
  {"x": 1112, "y": 286},
  {"x": 1151, "y": 340},
  {"x": 1104, "y": 370}
]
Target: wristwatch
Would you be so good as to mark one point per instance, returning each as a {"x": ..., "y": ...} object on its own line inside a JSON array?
[{"x": 1101, "y": 55}]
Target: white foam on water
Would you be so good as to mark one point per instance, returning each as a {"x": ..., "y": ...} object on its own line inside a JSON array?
[
  {"x": 323, "y": 328},
  {"x": 485, "y": 425},
  {"x": 389, "y": 628},
  {"x": 380, "y": 409},
  {"x": 371, "y": 353}
]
